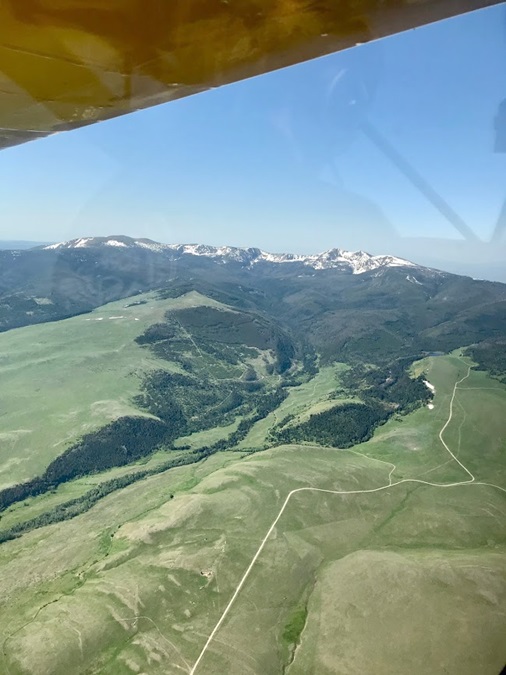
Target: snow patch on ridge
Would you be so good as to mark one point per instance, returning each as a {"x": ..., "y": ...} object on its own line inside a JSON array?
[
  {"x": 114, "y": 242},
  {"x": 151, "y": 245},
  {"x": 81, "y": 243},
  {"x": 429, "y": 385}
]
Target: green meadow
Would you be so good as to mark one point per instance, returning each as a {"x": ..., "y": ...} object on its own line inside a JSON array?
[
  {"x": 346, "y": 583},
  {"x": 64, "y": 379}
]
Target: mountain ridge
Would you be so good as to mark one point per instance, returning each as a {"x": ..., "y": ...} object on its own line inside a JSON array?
[
  {"x": 357, "y": 262},
  {"x": 345, "y": 305}
]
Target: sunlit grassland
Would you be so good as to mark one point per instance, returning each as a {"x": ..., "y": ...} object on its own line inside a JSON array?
[
  {"x": 210, "y": 525},
  {"x": 412, "y": 574},
  {"x": 206, "y": 437},
  {"x": 391, "y": 612},
  {"x": 31, "y": 507},
  {"x": 63, "y": 379},
  {"x": 301, "y": 401},
  {"x": 477, "y": 433}
]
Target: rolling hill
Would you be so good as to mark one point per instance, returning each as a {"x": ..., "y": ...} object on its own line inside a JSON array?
[{"x": 222, "y": 460}]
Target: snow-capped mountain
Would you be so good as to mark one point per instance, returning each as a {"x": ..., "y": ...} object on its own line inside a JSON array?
[
  {"x": 356, "y": 262},
  {"x": 331, "y": 294}
]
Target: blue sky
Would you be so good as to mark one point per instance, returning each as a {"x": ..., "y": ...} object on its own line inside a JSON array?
[{"x": 280, "y": 161}]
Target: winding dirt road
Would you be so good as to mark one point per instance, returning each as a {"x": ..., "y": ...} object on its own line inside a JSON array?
[{"x": 470, "y": 481}]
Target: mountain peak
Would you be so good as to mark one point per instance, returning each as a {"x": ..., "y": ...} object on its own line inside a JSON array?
[{"x": 117, "y": 240}]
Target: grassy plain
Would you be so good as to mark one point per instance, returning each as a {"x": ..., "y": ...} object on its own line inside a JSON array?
[
  {"x": 63, "y": 379},
  {"x": 411, "y": 578}
]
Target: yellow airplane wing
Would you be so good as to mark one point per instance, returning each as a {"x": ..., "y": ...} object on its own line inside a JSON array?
[{"x": 67, "y": 63}]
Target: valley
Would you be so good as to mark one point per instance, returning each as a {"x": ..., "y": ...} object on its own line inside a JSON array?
[{"x": 245, "y": 471}]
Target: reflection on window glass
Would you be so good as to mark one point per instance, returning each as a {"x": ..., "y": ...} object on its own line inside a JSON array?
[
  {"x": 253, "y": 372},
  {"x": 386, "y": 147}
]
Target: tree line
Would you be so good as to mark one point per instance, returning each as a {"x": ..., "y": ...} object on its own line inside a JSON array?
[
  {"x": 490, "y": 356},
  {"x": 342, "y": 426},
  {"x": 72, "y": 464}
]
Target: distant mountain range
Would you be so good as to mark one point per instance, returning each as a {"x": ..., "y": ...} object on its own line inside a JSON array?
[
  {"x": 356, "y": 262},
  {"x": 345, "y": 305}
]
